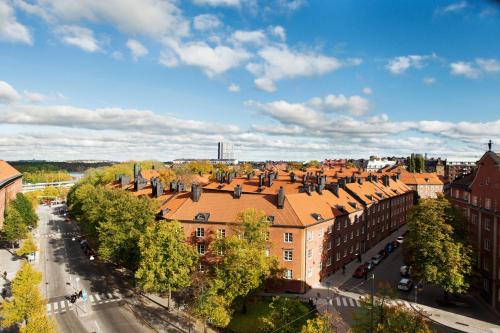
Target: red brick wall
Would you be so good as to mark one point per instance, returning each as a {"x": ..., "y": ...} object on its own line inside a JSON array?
[{"x": 7, "y": 193}]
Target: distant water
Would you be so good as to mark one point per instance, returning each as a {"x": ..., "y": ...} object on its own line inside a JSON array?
[{"x": 76, "y": 175}]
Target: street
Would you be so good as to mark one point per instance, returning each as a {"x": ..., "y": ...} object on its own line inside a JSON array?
[{"x": 66, "y": 269}]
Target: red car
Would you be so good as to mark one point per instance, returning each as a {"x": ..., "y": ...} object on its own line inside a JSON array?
[{"x": 361, "y": 271}]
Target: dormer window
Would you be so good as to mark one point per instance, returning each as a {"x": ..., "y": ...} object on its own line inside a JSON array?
[
  {"x": 202, "y": 217},
  {"x": 353, "y": 204},
  {"x": 379, "y": 194},
  {"x": 270, "y": 218},
  {"x": 369, "y": 197},
  {"x": 317, "y": 216}
]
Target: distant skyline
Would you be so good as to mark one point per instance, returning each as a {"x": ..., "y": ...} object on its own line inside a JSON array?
[{"x": 280, "y": 79}]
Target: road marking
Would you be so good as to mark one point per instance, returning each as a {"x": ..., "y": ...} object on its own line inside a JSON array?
[
  {"x": 344, "y": 301},
  {"x": 109, "y": 295},
  {"x": 351, "y": 302},
  {"x": 56, "y": 306},
  {"x": 357, "y": 302},
  {"x": 98, "y": 298},
  {"x": 48, "y": 308},
  {"x": 338, "y": 301},
  {"x": 92, "y": 300}
]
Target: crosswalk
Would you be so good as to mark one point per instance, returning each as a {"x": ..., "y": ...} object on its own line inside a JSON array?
[
  {"x": 62, "y": 305},
  {"x": 57, "y": 235},
  {"x": 342, "y": 301}
]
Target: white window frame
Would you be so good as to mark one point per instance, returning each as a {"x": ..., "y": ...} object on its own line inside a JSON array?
[
  {"x": 287, "y": 255},
  {"x": 288, "y": 237},
  {"x": 288, "y": 274},
  {"x": 221, "y": 233},
  {"x": 201, "y": 248},
  {"x": 200, "y": 232}
]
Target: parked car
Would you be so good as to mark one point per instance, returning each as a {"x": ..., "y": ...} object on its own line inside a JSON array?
[
  {"x": 377, "y": 259},
  {"x": 389, "y": 247},
  {"x": 360, "y": 271},
  {"x": 369, "y": 265},
  {"x": 405, "y": 284},
  {"x": 383, "y": 253},
  {"x": 400, "y": 239},
  {"x": 405, "y": 270},
  {"x": 395, "y": 244}
]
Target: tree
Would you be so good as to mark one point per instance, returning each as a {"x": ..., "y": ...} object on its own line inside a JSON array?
[
  {"x": 28, "y": 247},
  {"x": 323, "y": 323},
  {"x": 14, "y": 227},
  {"x": 24, "y": 206},
  {"x": 27, "y": 306},
  {"x": 286, "y": 314},
  {"x": 437, "y": 253},
  {"x": 313, "y": 164},
  {"x": 167, "y": 260},
  {"x": 411, "y": 163},
  {"x": 385, "y": 318}
]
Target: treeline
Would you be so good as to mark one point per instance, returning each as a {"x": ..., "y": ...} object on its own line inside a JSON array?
[
  {"x": 34, "y": 166},
  {"x": 45, "y": 177},
  {"x": 19, "y": 218}
]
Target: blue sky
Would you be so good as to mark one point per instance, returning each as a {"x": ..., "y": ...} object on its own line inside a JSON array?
[{"x": 281, "y": 79}]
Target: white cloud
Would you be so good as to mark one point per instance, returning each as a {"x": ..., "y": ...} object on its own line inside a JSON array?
[
  {"x": 428, "y": 80},
  {"x": 212, "y": 60},
  {"x": 217, "y": 3},
  {"x": 291, "y": 5},
  {"x": 206, "y": 22},
  {"x": 117, "y": 55},
  {"x": 279, "y": 32},
  {"x": 256, "y": 37},
  {"x": 137, "y": 49},
  {"x": 7, "y": 93},
  {"x": 80, "y": 37},
  {"x": 233, "y": 88},
  {"x": 453, "y": 7},
  {"x": 34, "y": 97},
  {"x": 153, "y": 18},
  {"x": 290, "y": 113},
  {"x": 367, "y": 91},
  {"x": 466, "y": 69},
  {"x": 399, "y": 65},
  {"x": 10, "y": 29},
  {"x": 279, "y": 62},
  {"x": 488, "y": 65},
  {"x": 356, "y": 105}
]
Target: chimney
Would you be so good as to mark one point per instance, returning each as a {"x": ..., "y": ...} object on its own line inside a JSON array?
[
  {"x": 292, "y": 177},
  {"x": 237, "y": 191},
  {"x": 261, "y": 180},
  {"x": 322, "y": 181},
  {"x": 249, "y": 176},
  {"x": 218, "y": 176},
  {"x": 270, "y": 179},
  {"x": 137, "y": 169},
  {"x": 320, "y": 188},
  {"x": 398, "y": 175},
  {"x": 334, "y": 188},
  {"x": 281, "y": 197},
  {"x": 304, "y": 178},
  {"x": 195, "y": 192},
  {"x": 341, "y": 182},
  {"x": 157, "y": 187},
  {"x": 385, "y": 180},
  {"x": 180, "y": 187},
  {"x": 124, "y": 180},
  {"x": 229, "y": 177},
  {"x": 308, "y": 190}
]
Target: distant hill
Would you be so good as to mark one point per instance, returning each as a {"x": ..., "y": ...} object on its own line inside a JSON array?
[{"x": 34, "y": 166}]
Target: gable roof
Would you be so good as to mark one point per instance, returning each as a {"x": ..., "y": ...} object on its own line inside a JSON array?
[{"x": 7, "y": 172}]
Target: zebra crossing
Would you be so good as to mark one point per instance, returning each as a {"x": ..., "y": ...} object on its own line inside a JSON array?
[
  {"x": 342, "y": 301},
  {"x": 63, "y": 305},
  {"x": 57, "y": 235}
]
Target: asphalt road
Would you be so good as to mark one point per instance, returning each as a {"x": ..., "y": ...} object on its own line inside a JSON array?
[
  {"x": 387, "y": 273},
  {"x": 67, "y": 269}
]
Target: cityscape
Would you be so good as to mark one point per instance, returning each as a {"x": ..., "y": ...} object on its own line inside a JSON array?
[{"x": 246, "y": 166}]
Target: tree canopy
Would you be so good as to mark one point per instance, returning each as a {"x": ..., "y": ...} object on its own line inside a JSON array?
[
  {"x": 435, "y": 246},
  {"x": 28, "y": 246},
  {"x": 25, "y": 207},
  {"x": 14, "y": 227},
  {"x": 286, "y": 314}
]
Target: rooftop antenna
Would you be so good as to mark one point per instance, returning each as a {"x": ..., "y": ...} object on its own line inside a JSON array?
[{"x": 489, "y": 145}]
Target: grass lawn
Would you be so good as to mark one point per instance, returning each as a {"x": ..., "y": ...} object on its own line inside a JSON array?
[{"x": 248, "y": 322}]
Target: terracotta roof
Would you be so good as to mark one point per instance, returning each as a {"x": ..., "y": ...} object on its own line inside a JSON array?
[
  {"x": 370, "y": 192},
  {"x": 414, "y": 178},
  {"x": 7, "y": 171},
  {"x": 149, "y": 173}
]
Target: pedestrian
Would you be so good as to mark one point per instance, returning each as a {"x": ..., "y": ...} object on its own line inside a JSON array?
[
  {"x": 359, "y": 257},
  {"x": 343, "y": 269},
  {"x": 5, "y": 275}
]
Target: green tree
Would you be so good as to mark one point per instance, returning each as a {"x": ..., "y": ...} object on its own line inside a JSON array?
[
  {"x": 377, "y": 316},
  {"x": 167, "y": 260},
  {"x": 437, "y": 253},
  {"x": 27, "y": 306},
  {"x": 286, "y": 315},
  {"x": 25, "y": 207},
  {"x": 28, "y": 247},
  {"x": 323, "y": 323},
  {"x": 14, "y": 228},
  {"x": 313, "y": 164}
]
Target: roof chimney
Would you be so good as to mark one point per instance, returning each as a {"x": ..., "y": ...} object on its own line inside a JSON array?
[
  {"x": 292, "y": 177},
  {"x": 334, "y": 188},
  {"x": 124, "y": 180},
  {"x": 249, "y": 176},
  {"x": 137, "y": 169},
  {"x": 173, "y": 186},
  {"x": 180, "y": 187},
  {"x": 157, "y": 187},
  {"x": 237, "y": 191},
  {"x": 281, "y": 198},
  {"x": 261, "y": 180},
  {"x": 385, "y": 180},
  {"x": 195, "y": 192},
  {"x": 342, "y": 182},
  {"x": 229, "y": 177},
  {"x": 270, "y": 179}
]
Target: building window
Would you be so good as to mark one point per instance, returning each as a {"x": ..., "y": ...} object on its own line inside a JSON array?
[
  {"x": 373, "y": 234},
  {"x": 200, "y": 232},
  {"x": 487, "y": 224},
  {"x": 288, "y": 274},
  {"x": 357, "y": 246},
  {"x": 487, "y": 244},
  {"x": 330, "y": 228},
  {"x": 357, "y": 232},
  {"x": 309, "y": 272},
  {"x": 288, "y": 255},
  {"x": 220, "y": 251},
  {"x": 486, "y": 265},
  {"x": 363, "y": 230},
  {"x": 345, "y": 252},
  {"x": 350, "y": 251},
  {"x": 368, "y": 236},
  {"x": 221, "y": 233},
  {"x": 288, "y": 237},
  {"x": 337, "y": 255},
  {"x": 267, "y": 235},
  {"x": 329, "y": 245},
  {"x": 345, "y": 238},
  {"x": 345, "y": 224},
  {"x": 201, "y": 268},
  {"x": 338, "y": 226},
  {"x": 201, "y": 248},
  {"x": 352, "y": 234},
  {"x": 268, "y": 252},
  {"x": 309, "y": 235},
  {"x": 487, "y": 203},
  {"x": 486, "y": 285},
  {"x": 329, "y": 261},
  {"x": 338, "y": 241},
  {"x": 309, "y": 253}
]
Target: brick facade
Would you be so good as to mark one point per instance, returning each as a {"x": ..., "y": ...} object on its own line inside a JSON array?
[{"x": 10, "y": 185}]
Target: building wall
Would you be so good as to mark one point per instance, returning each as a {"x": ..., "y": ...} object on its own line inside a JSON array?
[
  {"x": 7, "y": 193},
  {"x": 429, "y": 190}
]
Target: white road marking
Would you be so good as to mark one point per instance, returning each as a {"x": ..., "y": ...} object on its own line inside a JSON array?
[
  {"x": 98, "y": 298},
  {"x": 357, "y": 302},
  {"x": 48, "y": 308},
  {"x": 56, "y": 306},
  {"x": 351, "y": 302},
  {"x": 338, "y": 301},
  {"x": 92, "y": 300},
  {"x": 344, "y": 301}
]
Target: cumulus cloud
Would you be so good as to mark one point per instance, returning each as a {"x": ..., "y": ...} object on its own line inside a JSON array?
[
  {"x": 280, "y": 62},
  {"x": 217, "y": 3},
  {"x": 10, "y": 29},
  {"x": 466, "y": 69},
  {"x": 367, "y": 91},
  {"x": 34, "y": 97},
  {"x": 278, "y": 31},
  {"x": 256, "y": 37},
  {"x": 428, "y": 80},
  {"x": 233, "y": 88},
  {"x": 7, "y": 93},
  {"x": 356, "y": 105},
  {"x": 399, "y": 65},
  {"x": 80, "y": 37},
  {"x": 205, "y": 22},
  {"x": 291, "y": 5},
  {"x": 453, "y": 7},
  {"x": 136, "y": 49},
  {"x": 212, "y": 60},
  {"x": 148, "y": 17}
]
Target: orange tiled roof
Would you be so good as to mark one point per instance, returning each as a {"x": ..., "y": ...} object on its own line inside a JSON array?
[
  {"x": 149, "y": 173},
  {"x": 7, "y": 171}
]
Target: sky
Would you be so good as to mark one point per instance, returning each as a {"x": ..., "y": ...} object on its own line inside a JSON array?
[{"x": 280, "y": 79}]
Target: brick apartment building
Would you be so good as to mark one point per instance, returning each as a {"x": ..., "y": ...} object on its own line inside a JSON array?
[
  {"x": 10, "y": 185},
  {"x": 425, "y": 184},
  {"x": 318, "y": 220},
  {"x": 477, "y": 194}
]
